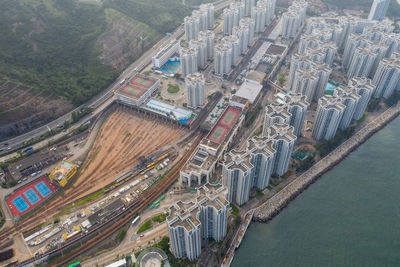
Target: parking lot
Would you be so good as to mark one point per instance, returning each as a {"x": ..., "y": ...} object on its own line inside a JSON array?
[{"x": 32, "y": 165}]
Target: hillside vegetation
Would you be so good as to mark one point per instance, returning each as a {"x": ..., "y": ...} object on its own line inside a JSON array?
[
  {"x": 393, "y": 11},
  {"x": 67, "y": 50}
]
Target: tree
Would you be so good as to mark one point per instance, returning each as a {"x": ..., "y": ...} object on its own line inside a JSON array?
[{"x": 281, "y": 78}]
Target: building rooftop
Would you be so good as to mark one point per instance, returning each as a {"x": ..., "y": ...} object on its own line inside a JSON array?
[
  {"x": 230, "y": 39},
  {"x": 195, "y": 43},
  {"x": 191, "y": 19},
  {"x": 276, "y": 109},
  {"x": 331, "y": 102},
  {"x": 306, "y": 74},
  {"x": 261, "y": 145},
  {"x": 194, "y": 78},
  {"x": 293, "y": 99},
  {"x": 239, "y": 99},
  {"x": 359, "y": 83},
  {"x": 206, "y": 34},
  {"x": 168, "y": 110},
  {"x": 346, "y": 92},
  {"x": 184, "y": 51},
  {"x": 137, "y": 86},
  {"x": 281, "y": 132},
  {"x": 249, "y": 90},
  {"x": 163, "y": 50},
  {"x": 256, "y": 76},
  {"x": 212, "y": 195},
  {"x": 200, "y": 160},
  {"x": 246, "y": 20},
  {"x": 238, "y": 160},
  {"x": 185, "y": 215},
  {"x": 222, "y": 47}
]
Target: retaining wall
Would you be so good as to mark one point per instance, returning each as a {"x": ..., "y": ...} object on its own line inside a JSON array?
[{"x": 273, "y": 206}]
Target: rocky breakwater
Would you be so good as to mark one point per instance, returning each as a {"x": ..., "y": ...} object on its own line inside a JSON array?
[{"x": 281, "y": 199}]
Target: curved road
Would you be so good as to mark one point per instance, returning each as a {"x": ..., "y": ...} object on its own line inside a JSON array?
[{"x": 98, "y": 101}]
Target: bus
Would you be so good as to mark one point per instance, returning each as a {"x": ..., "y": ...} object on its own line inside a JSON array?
[
  {"x": 216, "y": 182},
  {"x": 158, "y": 204},
  {"x": 75, "y": 264},
  {"x": 135, "y": 220},
  {"x": 192, "y": 191},
  {"x": 152, "y": 206},
  {"x": 162, "y": 197},
  {"x": 158, "y": 201}
]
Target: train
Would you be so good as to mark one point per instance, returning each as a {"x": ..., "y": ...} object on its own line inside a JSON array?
[{"x": 137, "y": 218}]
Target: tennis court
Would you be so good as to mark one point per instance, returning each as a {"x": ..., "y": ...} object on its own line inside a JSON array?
[
  {"x": 132, "y": 91},
  {"x": 43, "y": 190},
  {"x": 20, "y": 204},
  {"x": 218, "y": 134},
  {"x": 31, "y": 196},
  {"x": 229, "y": 117},
  {"x": 142, "y": 81}
]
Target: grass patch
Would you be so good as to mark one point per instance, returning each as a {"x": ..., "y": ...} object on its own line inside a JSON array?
[
  {"x": 122, "y": 235},
  {"x": 160, "y": 218},
  {"x": 92, "y": 159},
  {"x": 146, "y": 226},
  {"x": 364, "y": 116},
  {"x": 173, "y": 89},
  {"x": 258, "y": 132},
  {"x": 89, "y": 198},
  {"x": 235, "y": 210},
  {"x": 125, "y": 137}
]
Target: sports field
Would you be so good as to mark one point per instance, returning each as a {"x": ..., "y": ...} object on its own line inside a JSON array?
[
  {"x": 224, "y": 125},
  {"x": 132, "y": 91},
  {"x": 142, "y": 82},
  {"x": 218, "y": 134},
  {"x": 229, "y": 117},
  {"x": 172, "y": 66},
  {"x": 28, "y": 197}
]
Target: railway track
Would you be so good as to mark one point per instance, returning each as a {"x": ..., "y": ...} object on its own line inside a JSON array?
[{"x": 118, "y": 220}]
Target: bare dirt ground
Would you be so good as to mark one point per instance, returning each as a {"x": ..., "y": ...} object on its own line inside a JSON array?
[{"x": 123, "y": 138}]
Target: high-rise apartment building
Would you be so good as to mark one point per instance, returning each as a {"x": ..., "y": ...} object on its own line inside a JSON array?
[
  {"x": 192, "y": 27},
  {"x": 283, "y": 140},
  {"x": 378, "y": 9},
  {"x": 387, "y": 76},
  {"x": 189, "y": 62},
  {"x": 329, "y": 114},
  {"x": 195, "y": 90}
]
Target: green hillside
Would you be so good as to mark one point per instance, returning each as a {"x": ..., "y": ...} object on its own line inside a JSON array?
[
  {"x": 393, "y": 11},
  {"x": 52, "y": 45}
]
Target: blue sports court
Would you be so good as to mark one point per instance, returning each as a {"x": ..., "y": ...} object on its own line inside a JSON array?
[
  {"x": 20, "y": 203},
  {"x": 31, "y": 196},
  {"x": 43, "y": 190}
]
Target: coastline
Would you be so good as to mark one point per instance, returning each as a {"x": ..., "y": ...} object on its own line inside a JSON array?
[{"x": 280, "y": 200}]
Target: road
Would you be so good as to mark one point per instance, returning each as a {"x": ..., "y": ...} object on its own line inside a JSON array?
[{"x": 97, "y": 101}]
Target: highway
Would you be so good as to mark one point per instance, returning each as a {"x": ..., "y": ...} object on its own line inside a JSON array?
[{"x": 98, "y": 101}]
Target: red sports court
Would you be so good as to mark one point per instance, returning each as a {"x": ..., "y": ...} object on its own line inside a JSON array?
[
  {"x": 137, "y": 86},
  {"x": 30, "y": 196},
  {"x": 224, "y": 124}
]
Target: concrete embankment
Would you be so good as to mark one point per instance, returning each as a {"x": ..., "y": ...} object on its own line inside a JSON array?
[{"x": 280, "y": 200}]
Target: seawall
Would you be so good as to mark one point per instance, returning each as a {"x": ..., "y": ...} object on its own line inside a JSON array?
[{"x": 281, "y": 199}]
